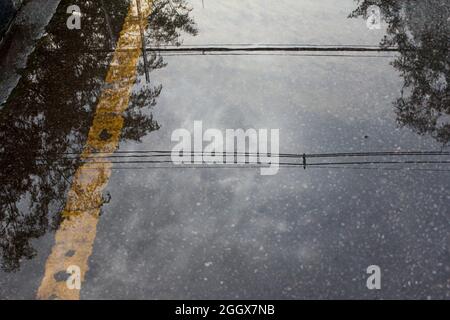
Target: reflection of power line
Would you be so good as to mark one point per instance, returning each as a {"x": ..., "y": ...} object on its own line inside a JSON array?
[
  {"x": 143, "y": 41},
  {"x": 281, "y": 163},
  {"x": 162, "y": 153},
  {"x": 250, "y": 166},
  {"x": 266, "y": 49},
  {"x": 293, "y": 160},
  {"x": 410, "y": 159},
  {"x": 270, "y": 45},
  {"x": 273, "y": 54},
  {"x": 307, "y": 50},
  {"x": 270, "y": 48},
  {"x": 161, "y": 160}
]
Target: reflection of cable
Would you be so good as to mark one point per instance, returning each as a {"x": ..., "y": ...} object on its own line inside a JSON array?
[
  {"x": 272, "y": 45},
  {"x": 165, "y": 153},
  {"x": 267, "y": 48},
  {"x": 281, "y": 163},
  {"x": 239, "y": 166},
  {"x": 258, "y": 164},
  {"x": 378, "y": 153},
  {"x": 263, "y": 51},
  {"x": 288, "y": 160},
  {"x": 273, "y": 54},
  {"x": 273, "y": 50}
]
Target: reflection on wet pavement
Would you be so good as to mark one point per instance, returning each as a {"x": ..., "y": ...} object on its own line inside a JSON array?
[
  {"x": 78, "y": 229},
  {"x": 422, "y": 33},
  {"x": 47, "y": 115},
  {"x": 217, "y": 233}
]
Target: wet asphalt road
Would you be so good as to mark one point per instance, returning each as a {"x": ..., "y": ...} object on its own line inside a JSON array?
[{"x": 232, "y": 233}]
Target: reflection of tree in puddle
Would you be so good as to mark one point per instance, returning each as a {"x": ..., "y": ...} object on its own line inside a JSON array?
[
  {"x": 421, "y": 31},
  {"x": 45, "y": 122},
  {"x": 167, "y": 21}
]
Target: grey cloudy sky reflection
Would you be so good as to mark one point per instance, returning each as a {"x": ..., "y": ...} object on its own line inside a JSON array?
[
  {"x": 315, "y": 22},
  {"x": 233, "y": 233},
  {"x": 296, "y": 236},
  {"x": 300, "y": 234}
]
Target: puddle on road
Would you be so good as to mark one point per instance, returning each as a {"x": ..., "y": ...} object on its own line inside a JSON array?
[
  {"x": 223, "y": 234},
  {"x": 323, "y": 22}
]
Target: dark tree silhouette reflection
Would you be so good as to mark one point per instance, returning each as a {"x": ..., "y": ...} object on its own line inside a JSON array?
[
  {"x": 169, "y": 18},
  {"x": 45, "y": 122},
  {"x": 421, "y": 31}
]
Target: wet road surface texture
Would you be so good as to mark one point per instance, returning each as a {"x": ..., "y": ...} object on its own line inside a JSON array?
[{"x": 85, "y": 110}]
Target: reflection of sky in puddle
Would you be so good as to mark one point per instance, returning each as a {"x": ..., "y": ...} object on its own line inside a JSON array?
[
  {"x": 306, "y": 97},
  {"x": 234, "y": 234},
  {"x": 315, "y": 22},
  {"x": 300, "y": 234}
]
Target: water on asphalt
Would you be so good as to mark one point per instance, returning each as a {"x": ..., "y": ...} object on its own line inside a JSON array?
[{"x": 232, "y": 233}]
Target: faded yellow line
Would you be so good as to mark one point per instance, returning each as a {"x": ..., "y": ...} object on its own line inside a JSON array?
[{"x": 75, "y": 237}]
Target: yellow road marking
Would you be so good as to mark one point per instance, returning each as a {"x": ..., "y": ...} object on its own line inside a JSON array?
[{"x": 75, "y": 237}]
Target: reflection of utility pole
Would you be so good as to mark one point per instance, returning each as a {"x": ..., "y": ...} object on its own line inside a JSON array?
[
  {"x": 141, "y": 30},
  {"x": 108, "y": 24},
  {"x": 203, "y": 4}
]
